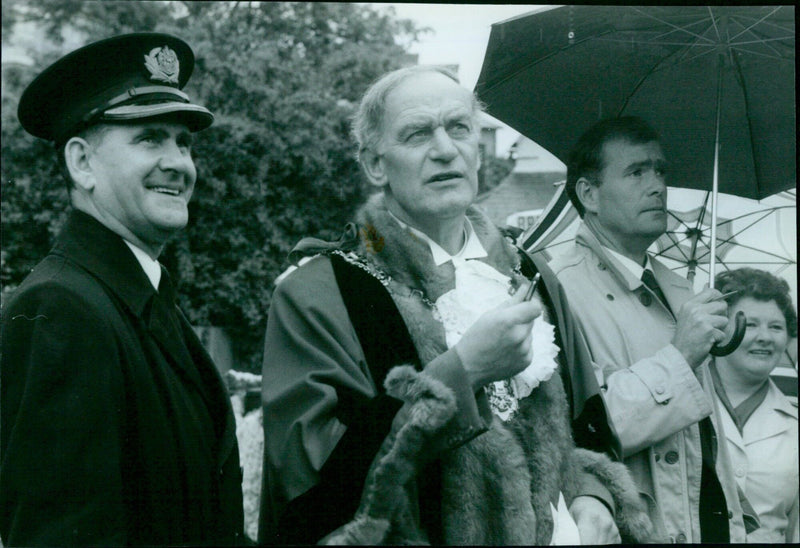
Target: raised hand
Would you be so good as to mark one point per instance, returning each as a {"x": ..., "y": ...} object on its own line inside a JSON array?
[
  {"x": 498, "y": 345},
  {"x": 701, "y": 322}
]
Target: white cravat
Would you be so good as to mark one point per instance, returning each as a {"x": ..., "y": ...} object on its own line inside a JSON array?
[
  {"x": 478, "y": 289},
  {"x": 565, "y": 530}
]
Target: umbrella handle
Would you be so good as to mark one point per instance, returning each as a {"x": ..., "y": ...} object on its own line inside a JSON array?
[{"x": 738, "y": 334}]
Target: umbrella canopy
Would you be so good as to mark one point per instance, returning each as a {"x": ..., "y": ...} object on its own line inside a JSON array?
[
  {"x": 685, "y": 239},
  {"x": 552, "y": 74},
  {"x": 748, "y": 234}
]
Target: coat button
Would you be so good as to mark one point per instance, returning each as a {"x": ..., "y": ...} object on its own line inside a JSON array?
[
  {"x": 680, "y": 539},
  {"x": 645, "y": 298},
  {"x": 671, "y": 458},
  {"x": 730, "y": 514},
  {"x": 609, "y": 296},
  {"x": 739, "y": 473},
  {"x": 659, "y": 389}
]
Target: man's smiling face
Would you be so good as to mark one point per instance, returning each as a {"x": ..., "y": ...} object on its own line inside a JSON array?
[{"x": 143, "y": 177}]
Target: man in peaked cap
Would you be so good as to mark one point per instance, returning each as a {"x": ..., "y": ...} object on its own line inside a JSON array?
[{"x": 115, "y": 426}]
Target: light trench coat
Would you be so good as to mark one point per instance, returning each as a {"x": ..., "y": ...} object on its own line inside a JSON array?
[
  {"x": 765, "y": 464},
  {"x": 654, "y": 397}
]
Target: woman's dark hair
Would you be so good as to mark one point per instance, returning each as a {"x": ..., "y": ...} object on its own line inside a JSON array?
[{"x": 761, "y": 286}]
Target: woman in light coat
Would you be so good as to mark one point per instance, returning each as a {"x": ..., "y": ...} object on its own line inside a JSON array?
[{"x": 760, "y": 423}]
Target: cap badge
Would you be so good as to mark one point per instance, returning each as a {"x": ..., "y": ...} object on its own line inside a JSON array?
[{"x": 163, "y": 65}]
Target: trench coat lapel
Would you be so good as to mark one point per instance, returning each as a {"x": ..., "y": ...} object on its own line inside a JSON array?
[
  {"x": 624, "y": 276},
  {"x": 677, "y": 290},
  {"x": 731, "y": 432}
]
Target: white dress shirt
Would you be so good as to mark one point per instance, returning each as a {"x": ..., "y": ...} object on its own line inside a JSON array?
[{"x": 150, "y": 266}]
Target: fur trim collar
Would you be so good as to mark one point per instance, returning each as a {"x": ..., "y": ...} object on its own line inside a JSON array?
[{"x": 407, "y": 259}]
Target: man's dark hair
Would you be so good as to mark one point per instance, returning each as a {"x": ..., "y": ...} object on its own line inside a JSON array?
[
  {"x": 760, "y": 286},
  {"x": 586, "y": 157}
]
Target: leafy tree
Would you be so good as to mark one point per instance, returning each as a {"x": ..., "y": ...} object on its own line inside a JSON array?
[{"x": 282, "y": 79}]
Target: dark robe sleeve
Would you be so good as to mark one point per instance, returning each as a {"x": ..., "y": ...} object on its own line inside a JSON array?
[{"x": 315, "y": 465}]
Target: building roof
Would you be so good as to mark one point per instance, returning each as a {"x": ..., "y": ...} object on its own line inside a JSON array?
[
  {"x": 533, "y": 158},
  {"x": 529, "y": 186},
  {"x": 519, "y": 192}
]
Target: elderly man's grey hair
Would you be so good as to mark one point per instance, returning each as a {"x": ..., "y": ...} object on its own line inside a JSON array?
[{"x": 367, "y": 124}]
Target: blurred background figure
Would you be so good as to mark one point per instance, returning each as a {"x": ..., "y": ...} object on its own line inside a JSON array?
[{"x": 760, "y": 421}]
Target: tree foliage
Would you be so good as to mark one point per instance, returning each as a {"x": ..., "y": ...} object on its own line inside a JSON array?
[{"x": 282, "y": 79}]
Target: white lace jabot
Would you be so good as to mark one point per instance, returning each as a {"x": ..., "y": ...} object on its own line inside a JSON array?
[{"x": 478, "y": 289}]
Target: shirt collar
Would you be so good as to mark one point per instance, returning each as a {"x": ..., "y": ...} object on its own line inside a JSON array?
[
  {"x": 149, "y": 265},
  {"x": 635, "y": 268},
  {"x": 472, "y": 248},
  {"x": 88, "y": 243},
  {"x": 780, "y": 401}
]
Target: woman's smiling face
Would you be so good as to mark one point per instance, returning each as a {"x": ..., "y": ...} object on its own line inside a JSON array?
[{"x": 764, "y": 341}]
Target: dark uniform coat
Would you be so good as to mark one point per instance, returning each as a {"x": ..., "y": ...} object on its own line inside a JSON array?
[{"x": 115, "y": 425}]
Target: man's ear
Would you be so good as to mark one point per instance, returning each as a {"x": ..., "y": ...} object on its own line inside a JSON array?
[
  {"x": 586, "y": 191},
  {"x": 77, "y": 152},
  {"x": 372, "y": 164}
]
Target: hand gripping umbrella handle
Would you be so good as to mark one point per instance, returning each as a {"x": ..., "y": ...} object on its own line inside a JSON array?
[{"x": 738, "y": 334}]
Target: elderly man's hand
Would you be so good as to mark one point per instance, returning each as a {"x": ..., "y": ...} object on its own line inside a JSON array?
[
  {"x": 498, "y": 345},
  {"x": 594, "y": 521}
]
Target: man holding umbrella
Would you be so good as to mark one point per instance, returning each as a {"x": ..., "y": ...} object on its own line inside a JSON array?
[{"x": 648, "y": 335}]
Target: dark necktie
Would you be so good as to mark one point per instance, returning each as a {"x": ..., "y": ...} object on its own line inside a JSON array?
[
  {"x": 166, "y": 289},
  {"x": 166, "y": 324},
  {"x": 649, "y": 280}
]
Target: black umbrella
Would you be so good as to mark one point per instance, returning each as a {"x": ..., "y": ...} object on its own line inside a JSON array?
[{"x": 552, "y": 74}]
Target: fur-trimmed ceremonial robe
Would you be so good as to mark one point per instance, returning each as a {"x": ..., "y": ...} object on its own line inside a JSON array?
[{"x": 497, "y": 480}]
